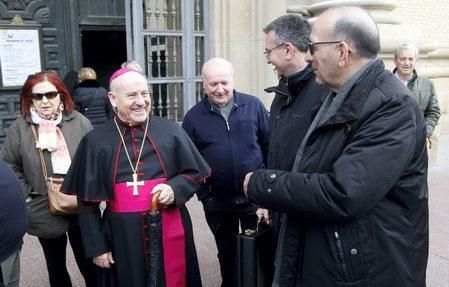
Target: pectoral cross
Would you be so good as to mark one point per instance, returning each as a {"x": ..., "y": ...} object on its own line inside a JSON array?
[{"x": 135, "y": 184}]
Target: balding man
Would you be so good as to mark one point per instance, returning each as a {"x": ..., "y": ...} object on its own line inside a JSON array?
[
  {"x": 230, "y": 129},
  {"x": 355, "y": 205},
  {"x": 124, "y": 163}
]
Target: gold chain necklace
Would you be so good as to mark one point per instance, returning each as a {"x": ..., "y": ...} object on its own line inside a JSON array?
[{"x": 134, "y": 183}]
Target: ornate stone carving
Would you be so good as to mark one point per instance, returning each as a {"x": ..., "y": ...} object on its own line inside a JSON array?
[
  {"x": 17, "y": 20},
  {"x": 380, "y": 10},
  {"x": 42, "y": 15},
  {"x": 17, "y": 5}
]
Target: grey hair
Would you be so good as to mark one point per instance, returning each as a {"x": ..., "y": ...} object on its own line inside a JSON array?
[
  {"x": 407, "y": 47},
  {"x": 291, "y": 28},
  {"x": 356, "y": 26},
  {"x": 132, "y": 64}
]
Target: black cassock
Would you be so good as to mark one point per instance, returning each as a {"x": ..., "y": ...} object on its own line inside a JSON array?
[{"x": 99, "y": 172}]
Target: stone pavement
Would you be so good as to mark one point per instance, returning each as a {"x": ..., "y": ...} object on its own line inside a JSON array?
[
  {"x": 34, "y": 271},
  {"x": 438, "y": 267}
]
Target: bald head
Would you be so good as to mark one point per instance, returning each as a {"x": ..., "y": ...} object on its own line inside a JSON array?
[
  {"x": 218, "y": 80},
  {"x": 356, "y": 27},
  {"x": 130, "y": 95},
  {"x": 129, "y": 77},
  {"x": 217, "y": 64},
  {"x": 344, "y": 39}
]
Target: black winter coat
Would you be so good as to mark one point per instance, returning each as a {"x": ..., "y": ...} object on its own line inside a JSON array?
[
  {"x": 356, "y": 207},
  {"x": 92, "y": 101},
  {"x": 298, "y": 98}
]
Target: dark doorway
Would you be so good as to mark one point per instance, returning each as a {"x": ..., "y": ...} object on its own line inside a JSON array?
[{"x": 103, "y": 51}]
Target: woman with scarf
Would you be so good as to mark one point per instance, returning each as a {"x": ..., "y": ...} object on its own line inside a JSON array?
[{"x": 47, "y": 105}]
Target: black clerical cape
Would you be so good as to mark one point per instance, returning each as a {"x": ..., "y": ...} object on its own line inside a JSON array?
[{"x": 101, "y": 171}]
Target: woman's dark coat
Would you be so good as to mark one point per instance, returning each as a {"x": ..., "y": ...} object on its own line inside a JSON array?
[{"x": 92, "y": 101}]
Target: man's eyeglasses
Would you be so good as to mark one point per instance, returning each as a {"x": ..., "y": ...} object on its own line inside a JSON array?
[
  {"x": 49, "y": 95},
  {"x": 312, "y": 45},
  {"x": 268, "y": 52}
]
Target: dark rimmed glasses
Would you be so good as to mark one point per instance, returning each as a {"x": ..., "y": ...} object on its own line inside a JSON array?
[
  {"x": 49, "y": 95},
  {"x": 268, "y": 52},
  {"x": 312, "y": 45}
]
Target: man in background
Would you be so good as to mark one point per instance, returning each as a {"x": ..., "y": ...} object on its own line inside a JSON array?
[{"x": 405, "y": 59}]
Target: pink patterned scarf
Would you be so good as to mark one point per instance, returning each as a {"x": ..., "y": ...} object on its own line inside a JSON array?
[{"x": 50, "y": 137}]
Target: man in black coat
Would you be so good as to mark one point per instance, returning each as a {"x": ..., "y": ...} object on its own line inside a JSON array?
[
  {"x": 356, "y": 203},
  {"x": 298, "y": 96}
]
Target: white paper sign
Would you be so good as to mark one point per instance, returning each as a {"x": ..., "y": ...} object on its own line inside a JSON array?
[{"x": 19, "y": 55}]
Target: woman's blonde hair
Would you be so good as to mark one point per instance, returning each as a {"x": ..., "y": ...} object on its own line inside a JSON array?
[{"x": 86, "y": 73}]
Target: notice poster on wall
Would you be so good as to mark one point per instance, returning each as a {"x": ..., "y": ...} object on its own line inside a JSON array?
[{"x": 20, "y": 54}]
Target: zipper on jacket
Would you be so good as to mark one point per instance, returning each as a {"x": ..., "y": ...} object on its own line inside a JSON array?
[
  {"x": 341, "y": 256},
  {"x": 230, "y": 143}
]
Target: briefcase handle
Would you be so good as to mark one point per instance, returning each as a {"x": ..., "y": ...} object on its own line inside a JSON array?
[
  {"x": 250, "y": 232},
  {"x": 262, "y": 226}
]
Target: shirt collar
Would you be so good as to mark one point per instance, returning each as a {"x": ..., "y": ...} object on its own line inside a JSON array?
[
  {"x": 122, "y": 123},
  {"x": 405, "y": 82}
]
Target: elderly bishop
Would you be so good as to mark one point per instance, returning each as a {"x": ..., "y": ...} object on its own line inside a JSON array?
[{"x": 124, "y": 163}]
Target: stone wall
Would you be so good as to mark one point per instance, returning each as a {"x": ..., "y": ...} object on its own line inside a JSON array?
[{"x": 236, "y": 34}]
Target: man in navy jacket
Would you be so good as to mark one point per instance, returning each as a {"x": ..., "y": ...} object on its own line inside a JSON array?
[{"x": 231, "y": 130}]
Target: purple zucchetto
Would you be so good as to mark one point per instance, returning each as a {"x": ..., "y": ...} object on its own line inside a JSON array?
[{"x": 120, "y": 72}]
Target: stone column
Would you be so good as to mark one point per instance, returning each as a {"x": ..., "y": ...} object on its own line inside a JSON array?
[{"x": 236, "y": 34}]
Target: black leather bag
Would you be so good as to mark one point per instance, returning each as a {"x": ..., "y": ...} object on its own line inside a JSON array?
[
  {"x": 41, "y": 222},
  {"x": 255, "y": 257}
]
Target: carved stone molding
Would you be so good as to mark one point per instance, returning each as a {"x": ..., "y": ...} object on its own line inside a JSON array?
[
  {"x": 17, "y": 5},
  {"x": 380, "y": 10},
  {"x": 393, "y": 30},
  {"x": 26, "y": 9},
  {"x": 42, "y": 15},
  {"x": 17, "y": 20}
]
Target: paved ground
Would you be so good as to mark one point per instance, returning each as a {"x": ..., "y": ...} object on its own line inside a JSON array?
[{"x": 34, "y": 270}]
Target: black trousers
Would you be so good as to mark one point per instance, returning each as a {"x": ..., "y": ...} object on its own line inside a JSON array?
[
  {"x": 223, "y": 221},
  {"x": 55, "y": 256}
]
